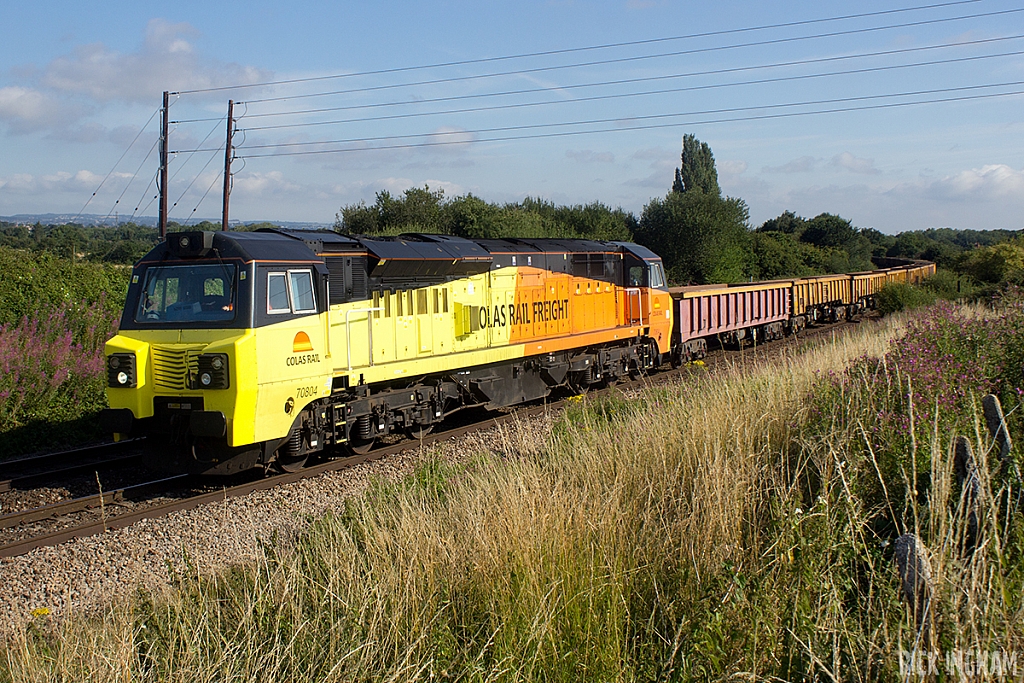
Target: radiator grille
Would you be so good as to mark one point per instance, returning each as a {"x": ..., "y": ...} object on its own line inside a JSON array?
[{"x": 175, "y": 367}]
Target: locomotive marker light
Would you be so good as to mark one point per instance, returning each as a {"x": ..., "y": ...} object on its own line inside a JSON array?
[{"x": 121, "y": 371}]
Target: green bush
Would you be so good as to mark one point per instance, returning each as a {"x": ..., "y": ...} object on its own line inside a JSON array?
[
  {"x": 55, "y": 315},
  {"x": 899, "y": 296},
  {"x": 39, "y": 283}
]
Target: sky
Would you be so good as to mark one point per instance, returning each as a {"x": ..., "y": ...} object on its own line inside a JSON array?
[{"x": 567, "y": 100}]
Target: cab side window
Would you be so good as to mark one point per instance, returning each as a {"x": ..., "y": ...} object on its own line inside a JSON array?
[
  {"x": 277, "y": 293},
  {"x": 637, "y": 276},
  {"x": 657, "y": 276},
  {"x": 290, "y": 292},
  {"x": 301, "y": 282}
]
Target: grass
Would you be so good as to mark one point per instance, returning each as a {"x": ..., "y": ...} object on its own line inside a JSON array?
[{"x": 721, "y": 528}]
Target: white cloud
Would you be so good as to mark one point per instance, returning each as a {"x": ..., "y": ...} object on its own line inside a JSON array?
[
  {"x": 449, "y": 139},
  {"x": 352, "y": 191},
  {"x": 264, "y": 184},
  {"x": 27, "y": 109},
  {"x": 732, "y": 168},
  {"x": 81, "y": 183},
  {"x": 990, "y": 182},
  {"x": 800, "y": 165},
  {"x": 85, "y": 133},
  {"x": 656, "y": 180},
  {"x": 655, "y": 154},
  {"x": 984, "y": 198},
  {"x": 165, "y": 61},
  {"x": 854, "y": 164},
  {"x": 450, "y": 189},
  {"x": 587, "y": 156}
]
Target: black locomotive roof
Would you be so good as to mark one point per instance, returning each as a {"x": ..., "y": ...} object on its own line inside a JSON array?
[
  {"x": 638, "y": 251},
  {"x": 438, "y": 254},
  {"x": 547, "y": 246},
  {"x": 267, "y": 246},
  {"x": 322, "y": 241},
  {"x": 417, "y": 255},
  {"x": 246, "y": 246}
]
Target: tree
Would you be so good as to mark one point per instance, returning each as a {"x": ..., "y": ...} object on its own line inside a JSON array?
[
  {"x": 781, "y": 255},
  {"x": 787, "y": 222},
  {"x": 996, "y": 264},
  {"x": 835, "y": 232},
  {"x": 702, "y": 237},
  {"x": 698, "y": 168},
  {"x": 880, "y": 242},
  {"x": 421, "y": 210}
]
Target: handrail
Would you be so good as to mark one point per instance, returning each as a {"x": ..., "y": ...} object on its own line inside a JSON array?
[{"x": 630, "y": 291}]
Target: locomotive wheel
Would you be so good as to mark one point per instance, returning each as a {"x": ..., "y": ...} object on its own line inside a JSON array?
[
  {"x": 290, "y": 455},
  {"x": 290, "y": 463},
  {"x": 418, "y": 431},
  {"x": 361, "y": 446}
]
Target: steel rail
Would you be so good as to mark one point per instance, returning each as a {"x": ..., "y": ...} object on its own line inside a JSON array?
[{"x": 26, "y": 472}]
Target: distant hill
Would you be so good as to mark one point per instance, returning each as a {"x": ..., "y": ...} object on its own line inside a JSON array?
[{"x": 94, "y": 220}]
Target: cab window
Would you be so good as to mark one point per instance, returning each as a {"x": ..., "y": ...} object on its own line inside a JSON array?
[
  {"x": 302, "y": 291},
  {"x": 637, "y": 276},
  {"x": 290, "y": 292},
  {"x": 187, "y": 294},
  {"x": 657, "y": 276},
  {"x": 277, "y": 293}
]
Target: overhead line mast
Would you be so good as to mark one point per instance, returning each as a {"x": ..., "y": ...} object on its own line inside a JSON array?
[
  {"x": 228, "y": 153},
  {"x": 163, "y": 166}
]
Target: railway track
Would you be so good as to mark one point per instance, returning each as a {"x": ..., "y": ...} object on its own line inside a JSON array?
[
  {"x": 65, "y": 520},
  {"x": 24, "y": 473}
]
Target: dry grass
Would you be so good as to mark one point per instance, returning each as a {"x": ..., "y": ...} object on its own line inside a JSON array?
[{"x": 694, "y": 532}]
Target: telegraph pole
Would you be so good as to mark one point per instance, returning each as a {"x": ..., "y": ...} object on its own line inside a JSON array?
[
  {"x": 227, "y": 163},
  {"x": 162, "y": 182}
]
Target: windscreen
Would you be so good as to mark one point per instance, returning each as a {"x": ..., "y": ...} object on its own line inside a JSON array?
[{"x": 187, "y": 294}]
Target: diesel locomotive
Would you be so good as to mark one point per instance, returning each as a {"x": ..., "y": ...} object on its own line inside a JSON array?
[{"x": 240, "y": 349}]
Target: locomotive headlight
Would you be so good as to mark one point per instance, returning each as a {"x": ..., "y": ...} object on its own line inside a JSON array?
[
  {"x": 183, "y": 242},
  {"x": 121, "y": 371},
  {"x": 212, "y": 371}
]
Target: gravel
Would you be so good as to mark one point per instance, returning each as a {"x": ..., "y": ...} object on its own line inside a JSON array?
[{"x": 87, "y": 574}]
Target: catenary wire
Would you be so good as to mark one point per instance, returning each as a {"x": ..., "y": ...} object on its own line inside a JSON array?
[
  {"x": 663, "y": 91},
  {"x": 134, "y": 176},
  {"x": 203, "y": 198},
  {"x": 536, "y": 136},
  {"x": 114, "y": 167},
  {"x": 548, "y": 53},
  {"x": 145, "y": 194},
  {"x": 634, "y": 58},
  {"x": 625, "y": 81},
  {"x": 197, "y": 176},
  {"x": 589, "y": 122},
  {"x": 207, "y": 137}
]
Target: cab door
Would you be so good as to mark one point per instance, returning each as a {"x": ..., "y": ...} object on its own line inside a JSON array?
[
  {"x": 291, "y": 355},
  {"x": 637, "y": 297}
]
